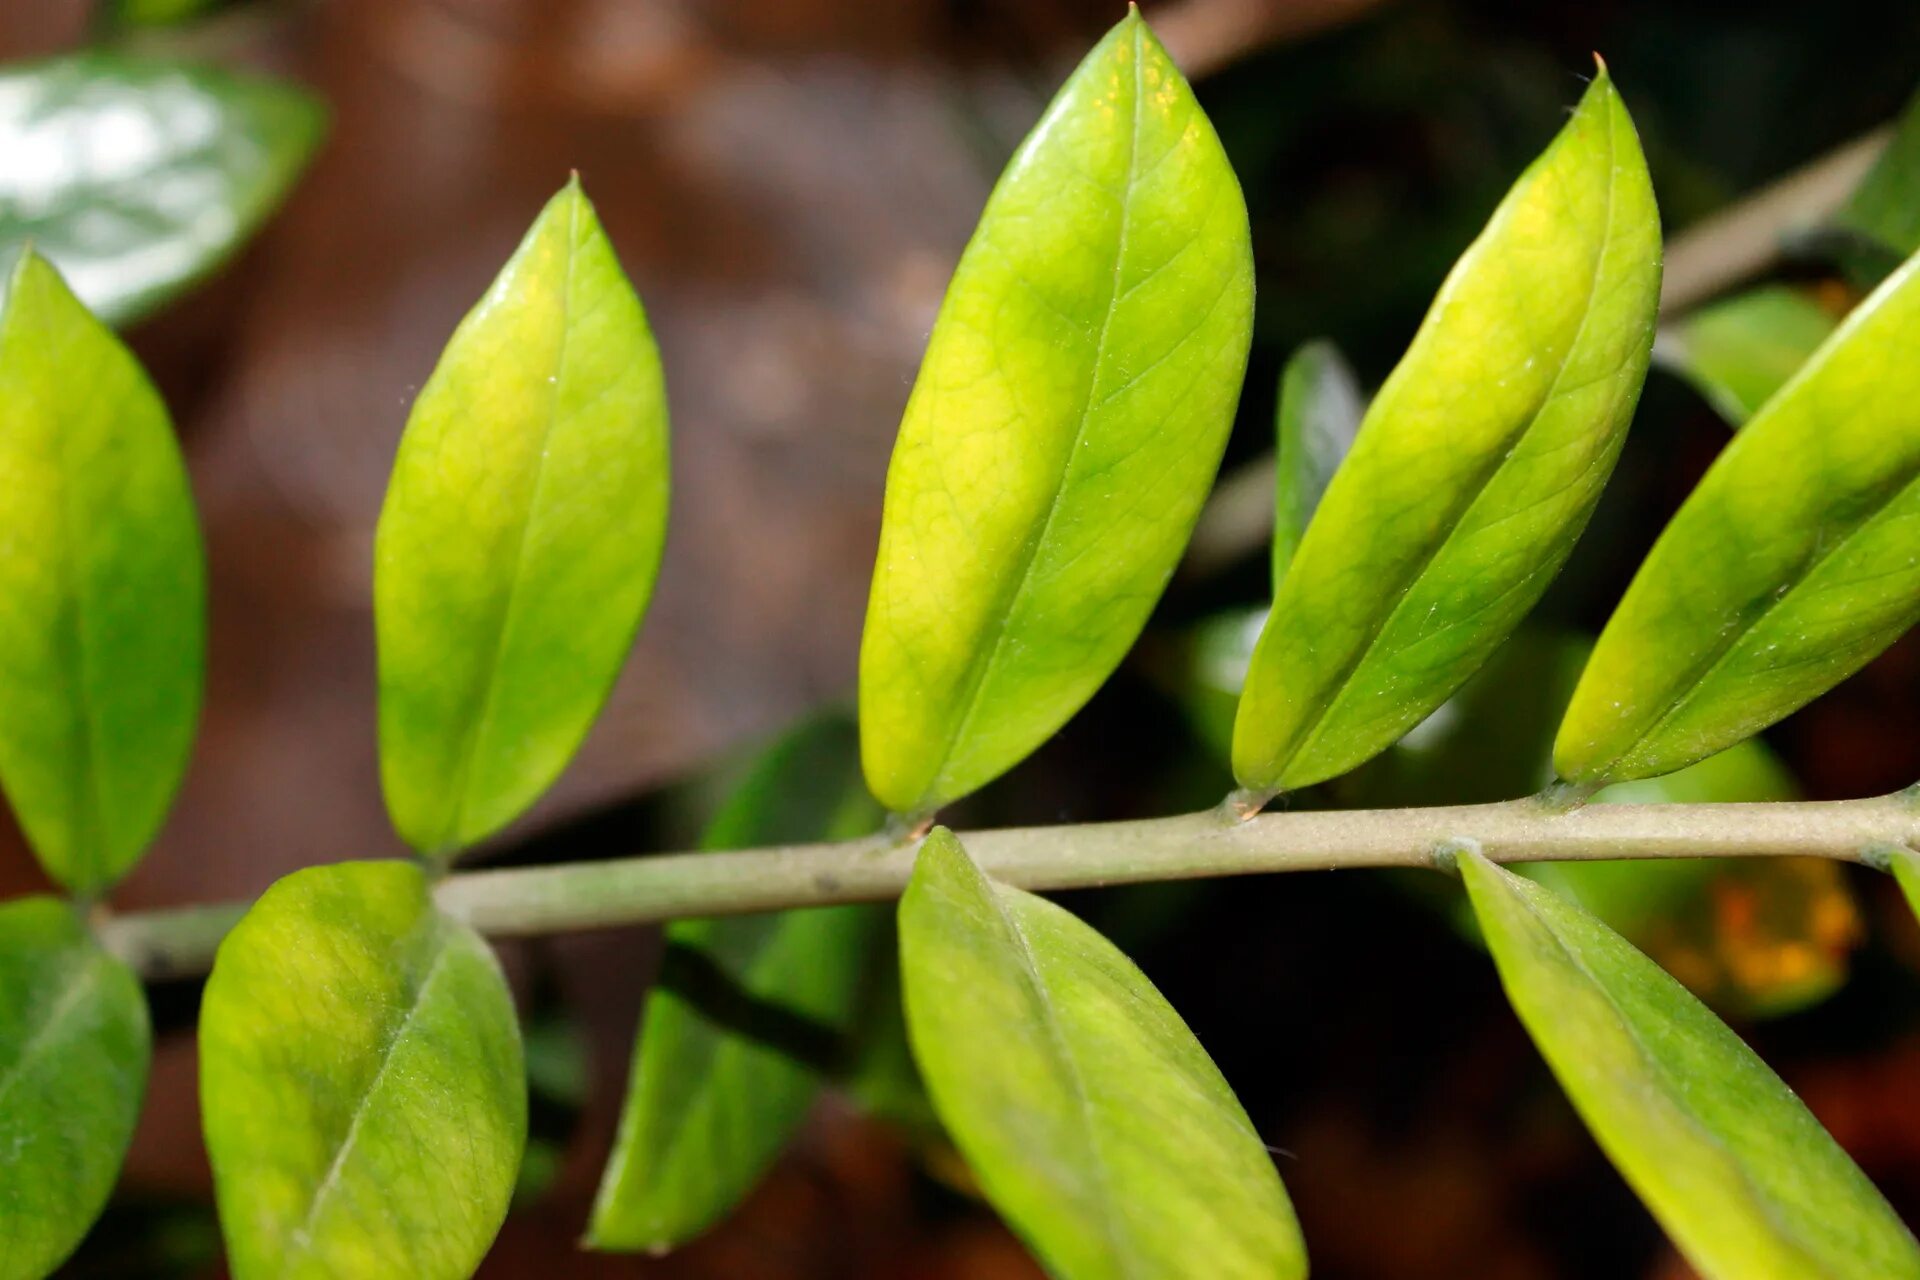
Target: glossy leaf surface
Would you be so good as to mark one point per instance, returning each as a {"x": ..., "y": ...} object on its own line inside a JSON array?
[
  {"x": 1096, "y": 1124},
  {"x": 1320, "y": 409},
  {"x": 1475, "y": 468},
  {"x": 747, "y": 1016},
  {"x": 102, "y": 588},
  {"x": 1790, "y": 566},
  {"x": 74, "y": 1050},
  {"x": 521, "y": 535},
  {"x": 1739, "y": 351},
  {"x": 1064, "y": 430},
  {"x": 1736, "y": 1169},
  {"x": 361, "y": 1082},
  {"x": 138, "y": 177}
]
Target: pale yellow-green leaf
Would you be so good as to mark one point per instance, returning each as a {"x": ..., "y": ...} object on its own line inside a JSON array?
[
  {"x": 1065, "y": 428},
  {"x": 1740, "y": 1174},
  {"x": 361, "y": 1082},
  {"x": 102, "y": 588},
  {"x": 1094, "y": 1120},
  {"x": 521, "y": 534},
  {"x": 1795, "y": 561},
  {"x": 1475, "y": 468}
]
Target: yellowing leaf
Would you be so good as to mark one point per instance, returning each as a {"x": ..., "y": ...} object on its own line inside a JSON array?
[
  {"x": 1790, "y": 566},
  {"x": 521, "y": 534},
  {"x": 1475, "y": 468},
  {"x": 102, "y": 588},
  {"x": 1094, "y": 1120},
  {"x": 1736, "y": 1169},
  {"x": 1066, "y": 425},
  {"x": 361, "y": 1082}
]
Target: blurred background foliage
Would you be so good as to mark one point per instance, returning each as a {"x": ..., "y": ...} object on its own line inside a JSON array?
[{"x": 789, "y": 182}]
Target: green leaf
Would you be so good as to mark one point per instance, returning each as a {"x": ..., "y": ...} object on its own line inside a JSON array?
[
  {"x": 103, "y": 650},
  {"x": 748, "y": 1014},
  {"x": 1474, "y": 470},
  {"x": 1789, "y": 567},
  {"x": 1906, "y": 869},
  {"x": 521, "y": 535},
  {"x": 74, "y": 1049},
  {"x": 1094, "y": 1120},
  {"x": 1736, "y": 1169},
  {"x": 1320, "y": 409},
  {"x": 138, "y": 177},
  {"x": 1884, "y": 211},
  {"x": 1065, "y": 428},
  {"x": 361, "y": 1082},
  {"x": 1739, "y": 351},
  {"x": 159, "y": 13}
]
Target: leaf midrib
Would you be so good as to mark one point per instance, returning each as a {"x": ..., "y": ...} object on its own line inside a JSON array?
[
  {"x": 1117, "y": 1247},
  {"x": 481, "y": 718},
  {"x": 79, "y": 985},
  {"x": 300, "y": 1240}
]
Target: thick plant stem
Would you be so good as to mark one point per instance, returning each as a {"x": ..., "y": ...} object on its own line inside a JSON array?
[{"x": 589, "y": 895}]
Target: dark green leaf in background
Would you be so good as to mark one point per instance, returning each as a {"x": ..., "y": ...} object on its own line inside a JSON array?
[
  {"x": 521, "y": 534},
  {"x": 1066, "y": 425},
  {"x": 1736, "y": 1169},
  {"x": 361, "y": 1082},
  {"x": 1883, "y": 214},
  {"x": 137, "y": 177},
  {"x": 1737, "y": 352},
  {"x": 102, "y": 588},
  {"x": 1475, "y": 468},
  {"x": 74, "y": 1049},
  {"x": 1320, "y": 409},
  {"x": 159, "y": 13},
  {"x": 1094, "y": 1121},
  {"x": 749, "y": 1014},
  {"x": 1790, "y": 566}
]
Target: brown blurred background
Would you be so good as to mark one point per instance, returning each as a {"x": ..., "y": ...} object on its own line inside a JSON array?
[{"x": 788, "y": 183}]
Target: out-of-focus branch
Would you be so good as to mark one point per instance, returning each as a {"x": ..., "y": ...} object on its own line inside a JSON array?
[
  {"x": 1206, "y": 35},
  {"x": 1741, "y": 242}
]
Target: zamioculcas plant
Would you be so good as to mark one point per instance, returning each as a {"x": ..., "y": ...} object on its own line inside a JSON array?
[{"x": 363, "y": 1078}]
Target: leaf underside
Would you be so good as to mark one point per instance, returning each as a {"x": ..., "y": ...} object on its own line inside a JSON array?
[
  {"x": 74, "y": 1052},
  {"x": 361, "y": 1082},
  {"x": 1736, "y": 1169},
  {"x": 747, "y": 1017},
  {"x": 1094, "y": 1121}
]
